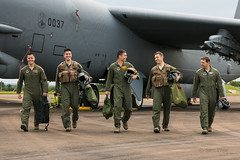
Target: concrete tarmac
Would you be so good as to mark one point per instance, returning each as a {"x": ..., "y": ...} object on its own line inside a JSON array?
[{"x": 94, "y": 138}]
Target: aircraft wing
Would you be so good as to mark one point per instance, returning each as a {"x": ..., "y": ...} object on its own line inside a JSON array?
[{"x": 174, "y": 29}]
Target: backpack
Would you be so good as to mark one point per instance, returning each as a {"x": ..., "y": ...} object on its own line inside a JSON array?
[
  {"x": 178, "y": 96},
  {"x": 107, "y": 108}
]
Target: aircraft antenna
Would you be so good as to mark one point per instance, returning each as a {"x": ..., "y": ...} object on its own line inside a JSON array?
[
  {"x": 77, "y": 14},
  {"x": 21, "y": 62}
]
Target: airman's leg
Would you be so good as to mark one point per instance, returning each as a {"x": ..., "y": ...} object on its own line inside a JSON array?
[
  {"x": 127, "y": 106},
  {"x": 36, "y": 105},
  {"x": 75, "y": 105},
  {"x": 65, "y": 97},
  {"x": 157, "y": 103},
  {"x": 211, "y": 111},
  {"x": 27, "y": 103},
  {"x": 118, "y": 99},
  {"x": 166, "y": 107},
  {"x": 204, "y": 103}
]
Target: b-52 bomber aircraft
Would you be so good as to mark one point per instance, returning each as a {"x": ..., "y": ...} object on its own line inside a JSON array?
[{"x": 95, "y": 32}]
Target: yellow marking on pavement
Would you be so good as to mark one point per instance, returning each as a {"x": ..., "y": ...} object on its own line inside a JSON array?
[
  {"x": 11, "y": 99},
  {"x": 133, "y": 109},
  {"x": 83, "y": 108}
]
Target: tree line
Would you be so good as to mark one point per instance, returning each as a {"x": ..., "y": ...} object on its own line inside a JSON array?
[
  {"x": 13, "y": 87},
  {"x": 101, "y": 87},
  {"x": 235, "y": 83},
  {"x": 8, "y": 87}
]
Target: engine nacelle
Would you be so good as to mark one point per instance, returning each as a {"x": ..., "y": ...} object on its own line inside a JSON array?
[
  {"x": 223, "y": 44},
  {"x": 9, "y": 66}
]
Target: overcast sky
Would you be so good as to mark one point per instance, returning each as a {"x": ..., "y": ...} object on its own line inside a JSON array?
[{"x": 219, "y": 8}]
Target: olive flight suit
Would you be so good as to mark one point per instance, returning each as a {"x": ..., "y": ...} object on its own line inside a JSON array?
[
  {"x": 33, "y": 79},
  {"x": 158, "y": 78},
  {"x": 208, "y": 83},
  {"x": 69, "y": 90},
  {"x": 121, "y": 91}
]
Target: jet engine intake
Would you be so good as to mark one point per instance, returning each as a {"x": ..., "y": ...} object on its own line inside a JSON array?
[{"x": 9, "y": 66}]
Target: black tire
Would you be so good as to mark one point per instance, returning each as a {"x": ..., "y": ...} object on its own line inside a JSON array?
[{"x": 189, "y": 101}]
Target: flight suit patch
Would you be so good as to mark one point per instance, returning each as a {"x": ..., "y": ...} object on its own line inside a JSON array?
[
  {"x": 124, "y": 67},
  {"x": 204, "y": 73},
  {"x": 27, "y": 71},
  {"x": 35, "y": 71},
  {"x": 118, "y": 68}
]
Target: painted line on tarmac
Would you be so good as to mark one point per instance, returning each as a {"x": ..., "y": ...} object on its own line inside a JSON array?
[
  {"x": 19, "y": 100},
  {"x": 89, "y": 108},
  {"x": 83, "y": 108}
]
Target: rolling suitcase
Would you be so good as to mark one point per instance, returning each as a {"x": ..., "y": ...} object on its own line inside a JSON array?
[{"x": 43, "y": 112}]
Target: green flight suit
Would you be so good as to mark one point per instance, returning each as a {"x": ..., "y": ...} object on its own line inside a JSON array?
[
  {"x": 69, "y": 96},
  {"x": 162, "y": 95},
  {"x": 208, "y": 83},
  {"x": 33, "y": 79},
  {"x": 121, "y": 91}
]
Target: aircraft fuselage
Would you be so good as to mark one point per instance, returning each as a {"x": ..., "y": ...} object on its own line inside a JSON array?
[{"x": 93, "y": 35}]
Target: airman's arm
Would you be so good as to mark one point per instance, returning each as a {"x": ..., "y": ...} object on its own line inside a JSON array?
[
  {"x": 137, "y": 76},
  {"x": 149, "y": 84},
  {"x": 44, "y": 81},
  {"x": 195, "y": 85},
  {"x": 219, "y": 85},
  {"x": 20, "y": 82},
  {"x": 109, "y": 80},
  {"x": 57, "y": 82},
  {"x": 180, "y": 76}
]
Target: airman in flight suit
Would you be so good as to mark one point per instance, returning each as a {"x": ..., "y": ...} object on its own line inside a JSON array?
[
  {"x": 33, "y": 77},
  {"x": 66, "y": 74},
  {"x": 158, "y": 78},
  {"x": 208, "y": 80},
  {"x": 121, "y": 91}
]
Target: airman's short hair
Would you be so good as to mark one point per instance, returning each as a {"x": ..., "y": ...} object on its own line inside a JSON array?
[
  {"x": 206, "y": 58},
  {"x": 158, "y": 52},
  {"x": 120, "y": 52},
  {"x": 30, "y": 53},
  {"x": 67, "y": 49}
]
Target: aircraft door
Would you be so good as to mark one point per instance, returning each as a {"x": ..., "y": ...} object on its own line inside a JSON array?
[{"x": 37, "y": 43}]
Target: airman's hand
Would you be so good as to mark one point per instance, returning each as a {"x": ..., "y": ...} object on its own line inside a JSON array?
[
  {"x": 107, "y": 93},
  {"x": 147, "y": 97},
  {"x": 134, "y": 76},
  {"x": 44, "y": 94},
  {"x": 19, "y": 96},
  {"x": 58, "y": 94},
  {"x": 89, "y": 79},
  {"x": 177, "y": 79},
  {"x": 222, "y": 98},
  {"x": 194, "y": 99}
]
